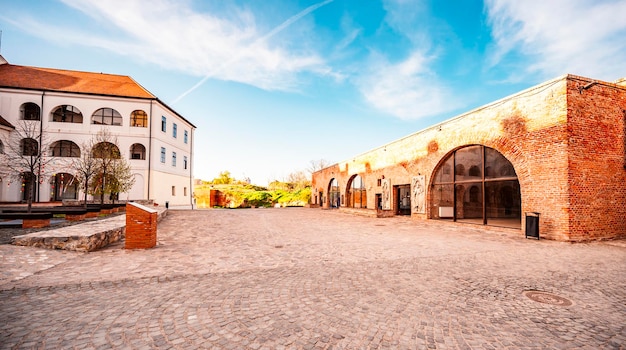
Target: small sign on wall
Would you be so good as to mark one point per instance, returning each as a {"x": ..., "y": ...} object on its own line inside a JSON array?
[{"x": 419, "y": 194}]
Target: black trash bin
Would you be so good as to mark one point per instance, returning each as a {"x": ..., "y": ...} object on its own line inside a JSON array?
[{"x": 532, "y": 225}]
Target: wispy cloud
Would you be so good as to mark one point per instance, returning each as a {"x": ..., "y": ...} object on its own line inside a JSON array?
[
  {"x": 173, "y": 35},
  {"x": 407, "y": 90},
  {"x": 259, "y": 43},
  {"x": 585, "y": 37}
]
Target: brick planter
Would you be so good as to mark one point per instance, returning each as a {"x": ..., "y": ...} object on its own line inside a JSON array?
[{"x": 141, "y": 226}]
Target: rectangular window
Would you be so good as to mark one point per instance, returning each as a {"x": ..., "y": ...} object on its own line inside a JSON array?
[
  {"x": 185, "y": 191},
  {"x": 186, "y": 135},
  {"x": 163, "y": 124},
  {"x": 174, "y": 130},
  {"x": 184, "y": 162},
  {"x": 173, "y": 158},
  {"x": 173, "y": 190},
  {"x": 162, "y": 154}
]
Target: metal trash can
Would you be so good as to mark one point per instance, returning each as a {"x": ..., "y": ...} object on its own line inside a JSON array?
[
  {"x": 167, "y": 205},
  {"x": 532, "y": 225}
]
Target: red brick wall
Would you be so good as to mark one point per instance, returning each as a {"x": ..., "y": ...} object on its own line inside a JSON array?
[
  {"x": 35, "y": 223},
  {"x": 531, "y": 130},
  {"x": 597, "y": 160},
  {"x": 141, "y": 228}
]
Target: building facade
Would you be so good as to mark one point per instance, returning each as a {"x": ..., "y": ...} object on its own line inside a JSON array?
[
  {"x": 70, "y": 107},
  {"x": 556, "y": 151}
]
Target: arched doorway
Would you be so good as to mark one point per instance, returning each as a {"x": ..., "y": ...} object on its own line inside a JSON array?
[
  {"x": 482, "y": 189},
  {"x": 29, "y": 186},
  {"x": 64, "y": 186},
  {"x": 334, "y": 195},
  {"x": 356, "y": 195}
]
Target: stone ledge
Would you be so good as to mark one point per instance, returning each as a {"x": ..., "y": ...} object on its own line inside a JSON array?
[
  {"x": 80, "y": 243},
  {"x": 84, "y": 237}
]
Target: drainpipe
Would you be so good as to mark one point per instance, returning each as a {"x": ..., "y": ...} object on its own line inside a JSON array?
[
  {"x": 191, "y": 169},
  {"x": 149, "y": 155},
  {"x": 40, "y": 146}
]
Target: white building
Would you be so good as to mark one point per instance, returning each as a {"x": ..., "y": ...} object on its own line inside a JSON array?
[{"x": 70, "y": 107}]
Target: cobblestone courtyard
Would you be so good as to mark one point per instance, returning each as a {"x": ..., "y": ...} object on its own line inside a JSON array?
[{"x": 316, "y": 279}]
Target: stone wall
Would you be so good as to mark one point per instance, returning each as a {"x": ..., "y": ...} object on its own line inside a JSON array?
[{"x": 532, "y": 129}]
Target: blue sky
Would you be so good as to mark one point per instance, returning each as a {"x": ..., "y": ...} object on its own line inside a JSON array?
[{"x": 273, "y": 85}]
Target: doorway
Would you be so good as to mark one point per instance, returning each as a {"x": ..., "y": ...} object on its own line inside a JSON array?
[{"x": 403, "y": 199}]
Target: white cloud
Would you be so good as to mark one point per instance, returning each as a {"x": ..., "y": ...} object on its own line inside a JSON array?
[
  {"x": 584, "y": 37},
  {"x": 407, "y": 90},
  {"x": 170, "y": 34}
]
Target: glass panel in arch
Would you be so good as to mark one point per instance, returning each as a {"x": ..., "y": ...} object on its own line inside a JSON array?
[
  {"x": 468, "y": 163},
  {"x": 444, "y": 173},
  {"x": 442, "y": 199},
  {"x": 496, "y": 165},
  {"x": 469, "y": 202},
  {"x": 504, "y": 203}
]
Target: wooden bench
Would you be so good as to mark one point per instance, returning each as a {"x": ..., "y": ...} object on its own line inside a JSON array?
[{"x": 29, "y": 220}]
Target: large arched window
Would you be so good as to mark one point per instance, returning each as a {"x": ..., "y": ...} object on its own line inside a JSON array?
[
  {"x": 137, "y": 151},
  {"x": 30, "y": 111},
  {"x": 106, "y": 116},
  {"x": 490, "y": 199},
  {"x": 30, "y": 147},
  {"x": 65, "y": 148},
  {"x": 357, "y": 195},
  {"x": 29, "y": 185},
  {"x": 106, "y": 150},
  {"x": 139, "y": 118},
  {"x": 334, "y": 195},
  {"x": 64, "y": 186},
  {"x": 67, "y": 114}
]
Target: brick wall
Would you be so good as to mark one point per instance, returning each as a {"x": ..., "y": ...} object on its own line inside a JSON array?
[
  {"x": 35, "y": 223},
  {"x": 531, "y": 130},
  {"x": 141, "y": 227},
  {"x": 597, "y": 160}
]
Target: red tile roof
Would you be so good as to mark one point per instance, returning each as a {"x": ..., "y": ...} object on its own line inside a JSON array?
[
  {"x": 4, "y": 122},
  {"x": 34, "y": 78}
]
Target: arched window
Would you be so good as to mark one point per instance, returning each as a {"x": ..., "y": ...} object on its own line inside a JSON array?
[
  {"x": 67, "y": 114},
  {"x": 357, "y": 195},
  {"x": 63, "y": 186},
  {"x": 139, "y": 118},
  {"x": 65, "y": 148},
  {"x": 30, "y": 111},
  {"x": 29, "y": 185},
  {"x": 105, "y": 150},
  {"x": 137, "y": 151},
  {"x": 474, "y": 171},
  {"x": 334, "y": 194},
  {"x": 490, "y": 200},
  {"x": 106, "y": 116},
  {"x": 30, "y": 147},
  {"x": 459, "y": 169},
  {"x": 474, "y": 195}
]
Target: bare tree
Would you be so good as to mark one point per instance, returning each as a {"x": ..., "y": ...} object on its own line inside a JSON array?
[
  {"x": 316, "y": 165},
  {"x": 106, "y": 152},
  {"x": 298, "y": 180},
  {"x": 121, "y": 180},
  {"x": 25, "y": 157},
  {"x": 85, "y": 167}
]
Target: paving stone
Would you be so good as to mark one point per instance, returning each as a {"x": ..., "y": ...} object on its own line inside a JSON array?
[{"x": 217, "y": 280}]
